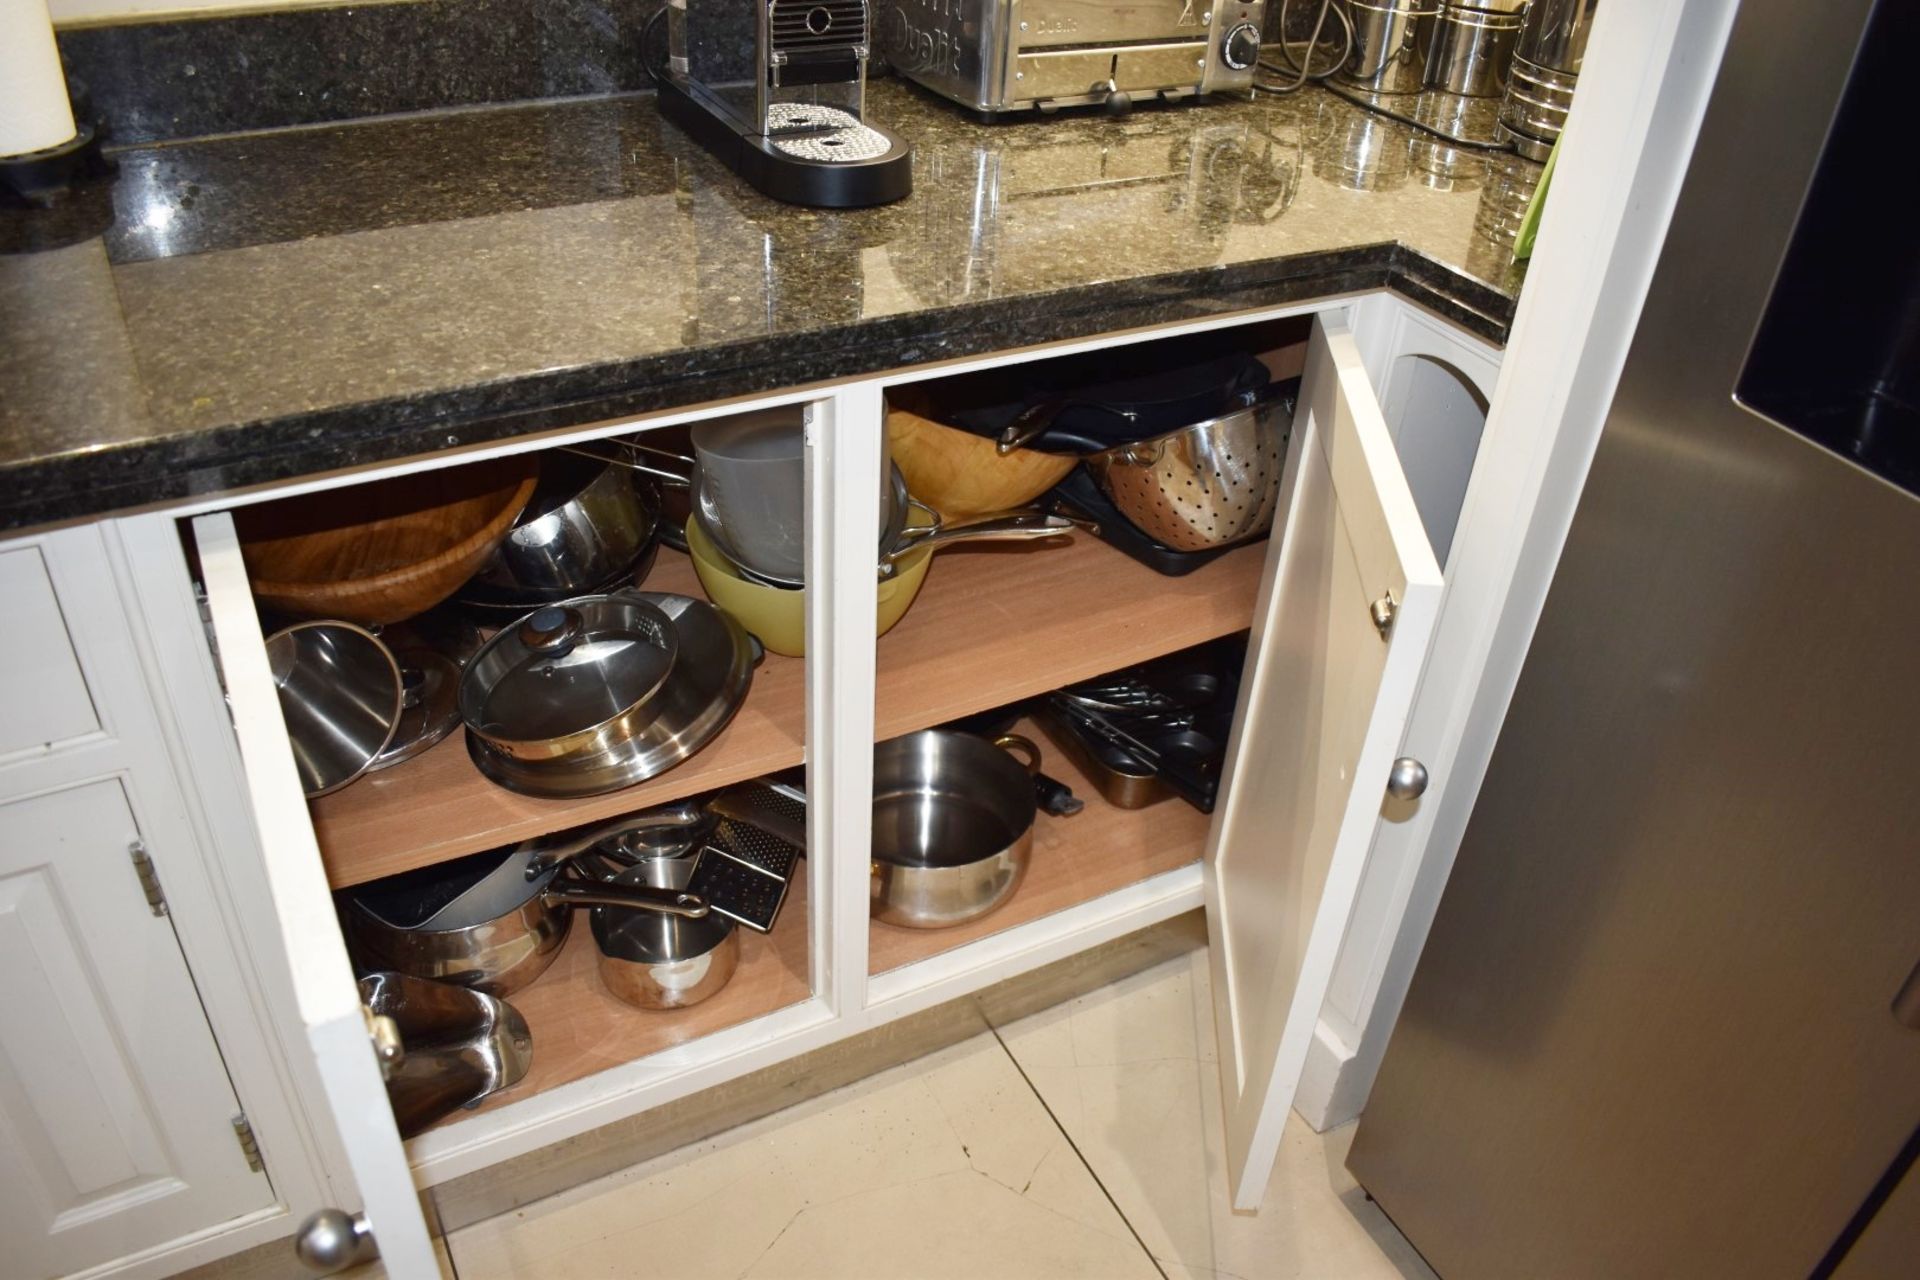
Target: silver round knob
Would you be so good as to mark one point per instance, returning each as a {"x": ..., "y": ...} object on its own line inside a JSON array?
[
  {"x": 333, "y": 1240},
  {"x": 1407, "y": 780}
]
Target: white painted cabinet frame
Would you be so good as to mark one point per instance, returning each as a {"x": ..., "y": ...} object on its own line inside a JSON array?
[
  {"x": 1649, "y": 67},
  {"x": 843, "y": 436}
]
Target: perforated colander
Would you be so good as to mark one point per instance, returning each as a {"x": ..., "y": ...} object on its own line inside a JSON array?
[{"x": 1204, "y": 486}]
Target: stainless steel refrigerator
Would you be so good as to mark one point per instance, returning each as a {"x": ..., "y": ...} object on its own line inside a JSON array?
[{"x": 1667, "y": 1020}]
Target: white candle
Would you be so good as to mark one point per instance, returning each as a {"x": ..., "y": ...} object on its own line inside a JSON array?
[{"x": 34, "y": 112}]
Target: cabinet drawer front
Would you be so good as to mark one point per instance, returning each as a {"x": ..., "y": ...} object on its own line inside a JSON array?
[{"x": 41, "y": 685}]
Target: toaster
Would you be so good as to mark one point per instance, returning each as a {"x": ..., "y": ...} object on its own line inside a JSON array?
[{"x": 999, "y": 57}]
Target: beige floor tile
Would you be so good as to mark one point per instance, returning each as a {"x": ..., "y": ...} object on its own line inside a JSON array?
[
  {"x": 944, "y": 1166},
  {"x": 954, "y": 1226},
  {"x": 1148, "y": 1121}
]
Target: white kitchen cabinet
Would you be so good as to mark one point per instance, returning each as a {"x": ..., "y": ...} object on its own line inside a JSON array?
[
  {"x": 120, "y": 1133},
  {"x": 1628, "y": 142},
  {"x": 121, "y": 1127},
  {"x": 1339, "y": 637},
  {"x": 1326, "y": 694}
]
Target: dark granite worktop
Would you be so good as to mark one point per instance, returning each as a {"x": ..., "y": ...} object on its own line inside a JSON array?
[{"x": 279, "y": 304}]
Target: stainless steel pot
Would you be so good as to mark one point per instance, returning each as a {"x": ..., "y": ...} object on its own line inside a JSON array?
[
  {"x": 1470, "y": 46},
  {"x": 655, "y": 961},
  {"x": 952, "y": 826},
  {"x": 589, "y": 527},
  {"x": 341, "y": 696},
  {"x": 1384, "y": 51},
  {"x": 458, "y": 1045},
  {"x": 499, "y": 932}
]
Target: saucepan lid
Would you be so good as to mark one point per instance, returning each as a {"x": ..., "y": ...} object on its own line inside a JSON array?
[{"x": 568, "y": 669}]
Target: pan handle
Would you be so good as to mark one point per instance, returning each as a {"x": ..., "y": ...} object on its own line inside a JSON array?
[
  {"x": 1037, "y": 420},
  {"x": 547, "y": 852},
  {"x": 632, "y": 462},
  {"x": 1015, "y": 745},
  {"x": 672, "y": 902},
  {"x": 1003, "y": 526}
]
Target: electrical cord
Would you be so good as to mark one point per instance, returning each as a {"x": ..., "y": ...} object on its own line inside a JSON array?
[
  {"x": 647, "y": 34},
  {"x": 1303, "y": 69},
  {"x": 1303, "y": 72}
]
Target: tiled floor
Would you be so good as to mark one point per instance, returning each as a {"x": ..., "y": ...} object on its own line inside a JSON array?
[{"x": 1083, "y": 1141}]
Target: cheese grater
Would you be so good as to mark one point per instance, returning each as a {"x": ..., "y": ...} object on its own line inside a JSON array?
[
  {"x": 748, "y": 860},
  {"x": 774, "y": 807}
]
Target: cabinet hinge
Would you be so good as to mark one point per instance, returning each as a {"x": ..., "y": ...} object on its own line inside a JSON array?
[
  {"x": 213, "y": 647},
  {"x": 249, "y": 1146},
  {"x": 149, "y": 878},
  {"x": 1383, "y": 612}
]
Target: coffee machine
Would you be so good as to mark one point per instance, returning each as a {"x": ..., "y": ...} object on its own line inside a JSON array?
[{"x": 777, "y": 90}]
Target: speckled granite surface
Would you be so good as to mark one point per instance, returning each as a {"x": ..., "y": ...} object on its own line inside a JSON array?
[
  {"x": 185, "y": 75},
  {"x": 274, "y": 305}
]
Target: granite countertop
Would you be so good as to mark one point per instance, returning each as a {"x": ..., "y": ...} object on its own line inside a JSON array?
[{"x": 272, "y": 305}]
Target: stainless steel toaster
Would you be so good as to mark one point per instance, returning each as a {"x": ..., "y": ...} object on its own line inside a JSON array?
[{"x": 1003, "y": 56}]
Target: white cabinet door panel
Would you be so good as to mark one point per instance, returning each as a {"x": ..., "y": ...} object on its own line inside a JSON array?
[
  {"x": 324, "y": 989},
  {"x": 43, "y": 692},
  {"x": 1322, "y": 710},
  {"x": 117, "y": 1114}
]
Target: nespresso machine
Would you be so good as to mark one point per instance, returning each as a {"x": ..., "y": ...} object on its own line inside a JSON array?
[{"x": 776, "y": 89}]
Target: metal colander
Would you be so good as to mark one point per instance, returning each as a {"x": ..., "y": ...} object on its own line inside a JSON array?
[{"x": 1203, "y": 486}]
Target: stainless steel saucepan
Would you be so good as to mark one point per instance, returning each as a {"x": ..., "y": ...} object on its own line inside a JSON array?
[
  {"x": 490, "y": 922},
  {"x": 952, "y": 826},
  {"x": 655, "y": 961}
]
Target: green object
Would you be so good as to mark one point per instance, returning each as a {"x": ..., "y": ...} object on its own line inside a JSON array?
[{"x": 1530, "y": 222}]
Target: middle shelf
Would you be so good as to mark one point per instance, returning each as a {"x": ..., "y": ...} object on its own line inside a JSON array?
[{"x": 992, "y": 625}]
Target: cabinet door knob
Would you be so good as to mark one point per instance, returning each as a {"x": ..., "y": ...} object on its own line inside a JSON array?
[
  {"x": 332, "y": 1240},
  {"x": 1407, "y": 780}
]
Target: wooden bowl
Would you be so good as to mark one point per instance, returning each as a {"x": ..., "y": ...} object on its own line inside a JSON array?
[
  {"x": 378, "y": 553},
  {"x": 962, "y": 475}
]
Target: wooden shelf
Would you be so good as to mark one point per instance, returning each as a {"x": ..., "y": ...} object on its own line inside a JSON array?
[
  {"x": 996, "y": 623},
  {"x": 578, "y": 1029},
  {"x": 438, "y": 806},
  {"x": 993, "y": 624},
  {"x": 1097, "y": 851}
]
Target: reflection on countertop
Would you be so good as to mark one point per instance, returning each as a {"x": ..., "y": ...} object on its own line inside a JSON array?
[{"x": 275, "y": 304}]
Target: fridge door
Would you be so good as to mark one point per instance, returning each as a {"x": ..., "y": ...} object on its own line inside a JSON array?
[
  {"x": 329, "y": 998},
  {"x": 1340, "y": 634}
]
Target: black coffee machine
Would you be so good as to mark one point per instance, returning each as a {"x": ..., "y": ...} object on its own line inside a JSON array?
[{"x": 777, "y": 90}]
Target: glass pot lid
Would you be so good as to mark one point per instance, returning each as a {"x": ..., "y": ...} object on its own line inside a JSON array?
[{"x": 568, "y": 669}]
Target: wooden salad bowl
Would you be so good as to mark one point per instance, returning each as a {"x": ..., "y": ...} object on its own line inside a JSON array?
[
  {"x": 378, "y": 553},
  {"x": 962, "y": 475}
]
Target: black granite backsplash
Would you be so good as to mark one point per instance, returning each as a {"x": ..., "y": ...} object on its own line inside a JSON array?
[{"x": 187, "y": 77}]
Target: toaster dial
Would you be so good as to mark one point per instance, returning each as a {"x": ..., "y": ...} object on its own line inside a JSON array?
[{"x": 1240, "y": 47}]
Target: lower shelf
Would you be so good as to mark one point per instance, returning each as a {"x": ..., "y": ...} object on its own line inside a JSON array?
[
  {"x": 579, "y": 1029},
  {"x": 1095, "y": 852}
]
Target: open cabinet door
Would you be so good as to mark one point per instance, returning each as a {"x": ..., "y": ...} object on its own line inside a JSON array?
[
  {"x": 324, "y": 987},
  {"x": 1340, "y": 633}
]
